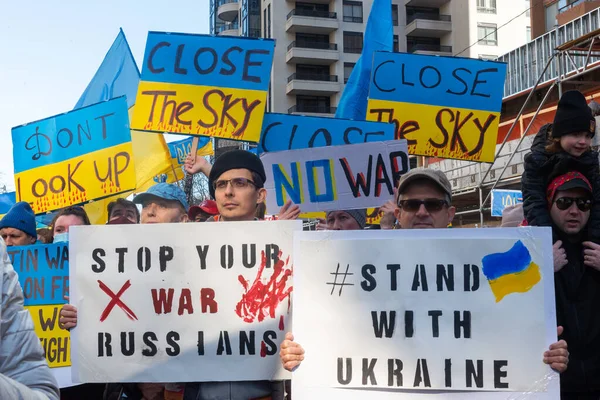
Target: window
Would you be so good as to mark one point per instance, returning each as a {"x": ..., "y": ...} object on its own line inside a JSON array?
[
  {"x": 265, "y": 23},
  {"x": 269, "y": 21},
  {"x": 396, "y": 44},
  {"x": 353, "y": 42},
  {"x": 550, "y": 16},
  {"x": 348, "y": 67},
  {"x": 395, "y": 14},
  {"x": 528, "y": 33},
  {"x": 313, "y": 104},
  {"x": 312, "y": 72},
  {"x": 353, "y": 11},
  {"x": 487, "y": 34},
  {"x": 486, "y": 6}
]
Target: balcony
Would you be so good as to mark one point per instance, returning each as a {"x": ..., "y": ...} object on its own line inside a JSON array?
[
  {"x": 310, "y": 110},
  {"x": 311, "y": 21},
  {"x": 428, "y": 25},
  {"x": 430, "y": 49},
  {"x": 306, "y": 52},
  {"x": 425, "y": 3},
  {"x": 575, "y": 10},
  {"x": 228, "y": 10},
  {"x": 312, "y": 84},
  {"x": 229, "y": 30}
]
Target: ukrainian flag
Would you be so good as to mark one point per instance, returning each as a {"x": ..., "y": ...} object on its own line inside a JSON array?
[{"x": 511, "y": 271}]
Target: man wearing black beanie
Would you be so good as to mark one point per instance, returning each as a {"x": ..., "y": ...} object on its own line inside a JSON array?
[{"x": 236, "y": 182}]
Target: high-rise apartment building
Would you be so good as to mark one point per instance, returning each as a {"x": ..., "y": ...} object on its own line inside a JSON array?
[{"x": 318, "y": 42}]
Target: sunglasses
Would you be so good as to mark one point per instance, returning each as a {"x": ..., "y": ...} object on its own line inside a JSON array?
[
  {"x": 431, "y": 205},
  {"x": 564, "y": 203}
]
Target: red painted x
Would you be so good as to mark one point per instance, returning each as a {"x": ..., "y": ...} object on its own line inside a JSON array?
[{"x": 116, "y": 301}]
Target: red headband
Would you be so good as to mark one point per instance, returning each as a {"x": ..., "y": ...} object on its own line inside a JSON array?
[{"x": 561, "y": 180}]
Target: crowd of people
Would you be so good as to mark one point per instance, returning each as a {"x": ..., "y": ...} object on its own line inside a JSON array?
[{"x": 561, "y": 189}]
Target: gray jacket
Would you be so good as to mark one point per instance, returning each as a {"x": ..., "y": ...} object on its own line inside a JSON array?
[{"x": 24, "y": 372}]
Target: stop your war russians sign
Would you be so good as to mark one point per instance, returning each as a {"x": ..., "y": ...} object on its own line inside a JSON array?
[
  {"x": 71, "y": 158},
  {"x": 204, "y": 85},
  {"x": 445, "y": 107},
  {"x": 335, "y": 177},
  {"x": 181, "y": 302},
  {"x": 459, "y": 314},
  {"x": 43, "y": 272}
]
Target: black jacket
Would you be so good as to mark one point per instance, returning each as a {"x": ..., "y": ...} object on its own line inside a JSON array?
[
  {"x": 578, "y": 312},
  {"x": 541, "y": 167}
]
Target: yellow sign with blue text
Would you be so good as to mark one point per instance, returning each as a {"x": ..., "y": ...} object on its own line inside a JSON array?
[
  {"x": 75, "y": 157},
  {"x": 204, "y": 85},
  {"x": 444, "y": 107}
]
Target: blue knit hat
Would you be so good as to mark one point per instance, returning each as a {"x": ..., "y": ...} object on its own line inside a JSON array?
[{"x": 21, "y": 217}]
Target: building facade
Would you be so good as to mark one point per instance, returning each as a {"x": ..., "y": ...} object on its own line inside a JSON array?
[{"x": 318, "y": 42}]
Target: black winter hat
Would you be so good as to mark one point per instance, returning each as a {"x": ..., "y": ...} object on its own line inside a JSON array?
[
  {"x": 235, "y": 159},
  {"x": 573, "y": 115}
]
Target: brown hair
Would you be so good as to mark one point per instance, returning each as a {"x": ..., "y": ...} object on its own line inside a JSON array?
[
  {"x": 553, "y": 145},
  {"x": 77, "y": 211},
  {"x": 126, "y": 204},
  {"x": 261, "y": 210},
  {"x": 45, "y": 235}
]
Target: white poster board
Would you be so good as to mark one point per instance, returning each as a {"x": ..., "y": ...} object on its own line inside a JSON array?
[
  {"x": 181, "y": 302},
  {"x": 459, "y": 324},
  {"x": 335, "y": 177}
]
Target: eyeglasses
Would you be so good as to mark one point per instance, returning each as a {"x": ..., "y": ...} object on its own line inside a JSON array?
[
  {"x": 236, "y": 183},
  {"x": 431, "y": 205},
  {"x": 564, "y": 203}
]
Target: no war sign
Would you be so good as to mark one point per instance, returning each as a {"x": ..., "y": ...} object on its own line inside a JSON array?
[{"x": 335, "y": 177}]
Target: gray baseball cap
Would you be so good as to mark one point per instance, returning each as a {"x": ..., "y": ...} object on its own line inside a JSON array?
[{"x": 434, "y": 175}]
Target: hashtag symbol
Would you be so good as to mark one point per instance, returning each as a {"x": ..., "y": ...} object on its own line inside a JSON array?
[{"x": 335, "y": 280}]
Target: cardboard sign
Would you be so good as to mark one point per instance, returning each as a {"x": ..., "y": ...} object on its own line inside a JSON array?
[
  {"x": 181, "y": 302},
  {"x": 293, "y": 132},
  {"x": 75, "y": 157},
  {"x": 335, "y": 177},
  {"x": 504, "y": 198},
  {"x": 444, "y": 107},
  {"x": 204, "y": 85},
  {"x": 373, "y": 216},
  {"x": 43, "y": 272},
  {"x": 421, "y": 314}
]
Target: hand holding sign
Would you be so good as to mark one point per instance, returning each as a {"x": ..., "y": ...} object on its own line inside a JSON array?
[
  {"x": 291, "y": 353},
  {"x": 195, "y": 164}
]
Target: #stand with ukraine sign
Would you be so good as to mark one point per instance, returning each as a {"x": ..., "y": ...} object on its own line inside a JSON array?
[{"x": 462, "y": 314}]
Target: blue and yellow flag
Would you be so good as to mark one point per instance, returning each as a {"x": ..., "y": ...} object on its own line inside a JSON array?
[
  {"x": 511, "y": 271},
  {"x": 379, "y": 36},
  {"x": 118, "y": 75}
]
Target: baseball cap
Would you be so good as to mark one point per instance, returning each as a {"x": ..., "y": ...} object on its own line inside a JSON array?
[
  {"x": 208, "y": 206},
  {"x": 433, "y": 175},
  {"x": 164, "y": 191},
  {"x": 570, "y": 180}
]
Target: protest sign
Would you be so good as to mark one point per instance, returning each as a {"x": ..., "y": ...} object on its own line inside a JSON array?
[
  {"x": 43, "y": 272},
  {"x": 373, "y": 216},
  {"x": 204, "y": 85},
  {"x": 335, "y": 177},
  {"x": 71, "y": 158},
  {"x": 182, "y": 148},
  {"x": 461, "y": 314},
  {"x": 444, "y": 107},
  {"x": 181, "y": 302},
  {"x": 293, "y": 132},
  {"x": 504, "y": 198},
  {"x": 7, "y": 200}
]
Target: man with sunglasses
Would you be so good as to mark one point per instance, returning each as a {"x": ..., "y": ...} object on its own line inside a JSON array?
[
  {"x": 424, "y": 202},
  {"x": 577, "y": 284}
]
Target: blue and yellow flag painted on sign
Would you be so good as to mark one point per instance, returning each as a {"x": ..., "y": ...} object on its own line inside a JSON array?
[
  {"x": 511, "y": 271},
  {"x": 204, "y": 85}
]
